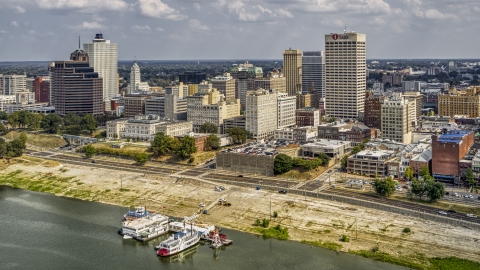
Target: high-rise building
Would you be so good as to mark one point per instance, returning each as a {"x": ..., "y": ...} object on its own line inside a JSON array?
[
  {"x": 286, "y": 110},
  {"x": 397, "y": 114},
  {"x": 136, "y": 85},
  {"x": 292, "y": 70},
  {"x": 261, "y": 113},
  {"x": 345, "y": 74},
  {"x": 394, "y": 79},
  {"x": 75, "y": 87},
  {"x": 193, "y": 77},
  {"x": 135, "y": 104},
  {"x": 103, "y": 57},
  {"x": 245, "y": 75},
  {"x": 373, "y": 110},
  {"x": 208, "y": 107},
  {"x": 313, "y": 73},
  {"x": 12, "y": 84},
  {"x": 411, "y": 86},
  {"x": 225, "y": 85},
  {"x": 175, "y": 107},
  {"x": 41, "y": 88}
]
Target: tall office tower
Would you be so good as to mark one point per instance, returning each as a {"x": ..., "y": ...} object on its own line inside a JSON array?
[
  {"x": 373, "y": 110},
  {"x": 13, "y": 84},
  {"x": 313, "y": 73},
  {"x": 345, "y": 74},
  {"x": 75, "y": 86},
  {"x": 261, "y": 113},
  {"x": 397, "y": 116},
  {"x": 136, "y": 85},
  {"x": 225, "y": 85},
  {"x": 292, "y": 70},
  {"x": 244, "y": 75},
  {"x": 103, "y": 57}
]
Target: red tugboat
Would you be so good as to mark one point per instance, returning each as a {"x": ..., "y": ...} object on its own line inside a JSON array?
[{"x": 218, "y": 239}]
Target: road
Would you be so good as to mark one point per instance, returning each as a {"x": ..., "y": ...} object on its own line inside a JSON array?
[{"x": 318, "y": 185}]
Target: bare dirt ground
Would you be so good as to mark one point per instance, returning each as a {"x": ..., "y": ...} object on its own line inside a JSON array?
[{"x": 311, "y": 219}]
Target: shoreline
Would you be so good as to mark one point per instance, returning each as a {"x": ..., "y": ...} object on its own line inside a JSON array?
[{"x": 313, "y": 222}]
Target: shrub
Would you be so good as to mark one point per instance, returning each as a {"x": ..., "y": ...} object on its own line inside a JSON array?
[
  {"x": 344, "y": 238},
  {"x": 275, "y": 214},
  {"x": 375, "y": 248},
  {"x": 265, "y": 223},
  {"x": 258, "y": 223},
  {"x": 191, "y": 160},
  {"x": 407, "y": 230}
]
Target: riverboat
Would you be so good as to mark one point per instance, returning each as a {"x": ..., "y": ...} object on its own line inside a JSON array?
[
  {"x": 145, "y": 228},
  {"x": 178, "y": 242},
  {"x": 139, "y": 212}
]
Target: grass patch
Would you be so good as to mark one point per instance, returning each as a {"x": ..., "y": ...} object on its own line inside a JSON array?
[
  {"x": 40, "y": 140},
  {"x": 277, "y": 232},
  {"x": 344, "y": 238},
  {"x": 327, "y": 245},
  {"x": 385, "y": 257},
  {"x": 452, "y": 263},
  {"x": 309, "y": 224}
]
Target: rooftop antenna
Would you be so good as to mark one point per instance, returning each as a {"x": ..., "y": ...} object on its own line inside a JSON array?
[
  {"x": 79, "y": 42},
  {"x": 344, "y": 31}
]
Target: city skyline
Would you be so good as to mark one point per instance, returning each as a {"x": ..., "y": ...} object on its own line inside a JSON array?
[{"x": 40, "y": 30}]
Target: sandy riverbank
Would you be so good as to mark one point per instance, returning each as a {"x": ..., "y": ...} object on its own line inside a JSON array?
[{"x": 310, "y": 220}]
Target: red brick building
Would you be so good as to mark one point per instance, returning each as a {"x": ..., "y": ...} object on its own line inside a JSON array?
[
  {"x": 373, "y": 110},
  {"x": 447, "y": 151},
  {"x": 41, "y": 88},
  {"x": 307, "y": 117}
]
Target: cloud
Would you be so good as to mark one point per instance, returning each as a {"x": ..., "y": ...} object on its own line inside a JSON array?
[
  {"x": 157, "y": 9},
  {"x": 159, "y": 29},
  {"x": 197, "y": 6},
  {"x": 88, "y": 6},
  {"x": 97, "y": 18},
  {"x": 18, "y": 9},
  {"x": 14, "y": 23},
  {"x": 197, "y": 25},
  {"x": 32, "y": 31},
  {"x": 89, "y": 25},
  {"x": 139, "y": 28},
  {"x": 50, "y": 33},
  {"x": 283, "y": 13},
  {"x": 3, "y": 32},
  {"x": 435, "y": 14}
]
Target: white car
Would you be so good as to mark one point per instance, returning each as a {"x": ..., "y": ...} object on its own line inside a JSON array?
[
  {"x": 471, "y": 215},
  {"x": 442, "y": 213},
  {"x": 201, "y": 205},
  {"x": 470, "y": 196},
  {"x": 222, "y": 200}
]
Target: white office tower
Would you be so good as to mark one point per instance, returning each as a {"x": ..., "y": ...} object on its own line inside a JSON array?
[
  {"x": 136, "y": 85},
  {"x": 286, "y": 110},
  {"x": 345, "y": 74},
  {"x": 261, "y": 113},
  {"x": 378, "y": 88},
  {"x": 12, "y": 84},
  {"x": 313, "y": 73},
  {"x": 103, "y": 57},
  {"x": 397, "y": 115}
]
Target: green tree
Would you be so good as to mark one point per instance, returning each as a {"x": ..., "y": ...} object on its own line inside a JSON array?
[
  {"x": 3, "y": 147},
  {"x": 3, "y": 115},
  {"x": 73, "y": 130},
  {"x": 343, "y": 162},
  {"x": 72, "y": 119},
  {"x": 470, "y": 177},
  {"x": 3, "y": 129},
  {"x": 187, "y": 147},
  {"x": 434, "y": 190},
  {"x": 34, "y": 121},
  {"x": 51, "y": 123},
  {"x": 424, "y": 172},
  {"x": 89, "y": 123},
  {"x": 419, "y": 187},
  {"x": 24, "y": 117},
  {"x": 408, "y": 173},
  {"x": 13, "y": 119},
  {"x": 325, "y": 159},
  {"x": 239, "y": 135},
  {"x": 356, "y": 149},
  {"x": 141, "y": 158},
  {"x": 163, "y": 144},
  {"x": 282, "y": 164},
  {"x": 384, "y": 187},
  {"x": 212, "y": 142},
  {"x": 90, "y": 151},
  {"x": 208, "y": 128},
  {"x": 16, "y": 147}
]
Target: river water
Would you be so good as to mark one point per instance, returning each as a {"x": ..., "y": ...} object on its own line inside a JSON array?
[{"x": 43, "y": 231}]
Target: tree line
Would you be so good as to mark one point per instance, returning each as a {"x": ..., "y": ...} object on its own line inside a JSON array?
[
  {"x": 284, "y": 163},
  {"x": 13, "y": 148}
]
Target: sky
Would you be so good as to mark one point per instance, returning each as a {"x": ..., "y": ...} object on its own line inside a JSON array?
[{"x": 48, "y": 30}]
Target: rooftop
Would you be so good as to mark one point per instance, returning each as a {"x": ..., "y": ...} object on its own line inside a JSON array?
[{"x": 455, "y": 136}]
